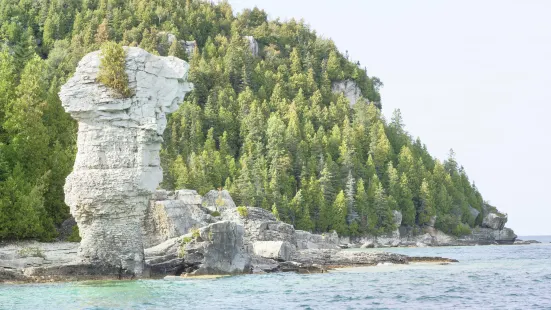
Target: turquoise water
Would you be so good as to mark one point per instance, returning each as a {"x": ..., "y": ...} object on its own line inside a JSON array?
[{"x": 487, "y": 277}]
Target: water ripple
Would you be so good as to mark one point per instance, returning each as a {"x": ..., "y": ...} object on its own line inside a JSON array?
[{"x": 489, "y": 277}]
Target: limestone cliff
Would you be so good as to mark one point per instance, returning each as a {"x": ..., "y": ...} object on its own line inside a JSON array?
[
  {"x": 117, "y": 166},
  {"x": 349, "y": 89}
]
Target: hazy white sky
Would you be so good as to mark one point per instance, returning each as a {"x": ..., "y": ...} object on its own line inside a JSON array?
[{"x": 470, "y": 75}]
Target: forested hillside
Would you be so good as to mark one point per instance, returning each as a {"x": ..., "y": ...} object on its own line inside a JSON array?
[{"x": 267, "y": 127}]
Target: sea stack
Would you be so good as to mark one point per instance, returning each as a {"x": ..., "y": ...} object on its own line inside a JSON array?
[{"x": 117, "y": 166}]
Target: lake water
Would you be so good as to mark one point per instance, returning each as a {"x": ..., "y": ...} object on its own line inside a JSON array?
[{"x": 487, "y": 277}]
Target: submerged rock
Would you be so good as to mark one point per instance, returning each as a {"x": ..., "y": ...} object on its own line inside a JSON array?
[
  {"x": 117, "y": 165},
  {"x": 345, "y": 258}
]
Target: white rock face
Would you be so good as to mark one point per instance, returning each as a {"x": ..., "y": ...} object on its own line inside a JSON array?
[
  {"x": 219, "y": 250},
  {"x": 307, "y": 240},
  {"x": 219, "y": 201},
  {"x": 494, "y": 221},
  {"x": 189, "y": 47},
  {"x": 173, "y": 215},
  {"x": 278, "y": 250},
  {"x": 117, "y": 166},
  {"x": 350, "y": 90},
  {"x": 253, "y": 45}
]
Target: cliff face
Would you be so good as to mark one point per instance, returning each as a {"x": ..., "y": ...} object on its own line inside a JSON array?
[{"x": 117, "y": 166}]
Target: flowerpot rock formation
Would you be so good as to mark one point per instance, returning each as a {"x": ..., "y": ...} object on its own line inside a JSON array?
[{"x": 117, "y": 167}]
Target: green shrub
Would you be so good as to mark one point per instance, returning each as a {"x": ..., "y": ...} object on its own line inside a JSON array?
[
  {"x": 243, "y": 211},
  {"x": 31, "y": 252},
  {"x": 195, "y": 233},
  {"x": 446, "y": 223},
  {"x": 215, "y": 213},
  {"x": 186, "y": 240},
  {"x": 75, "y": 235},
  {"x": 183, "y": 243},
  {"x": 112, "y": 69},
  {"x": 182, "y": 252},
  {"x": 461, "y": 229}
]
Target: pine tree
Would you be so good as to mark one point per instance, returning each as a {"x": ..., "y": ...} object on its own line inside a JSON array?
[
  {"x": 102, "y": 34},
  {"x": 176, "y": 50},
  {"x": 334, "y": 70},
  {"x": 350, "y": 193},
  {"x": 382, "y": 215},
  {"x": 426, "y": 209},
  {"x": 362, "y": 205},
  {"x": 405, "y": 202},
  {"x": 339, "y": 215},
  {"x": 296, "y": 66},
  {"x": 7, "y": 86},
  {"x": 380, "y": 147},
  {"x": 303, "y": 220}
]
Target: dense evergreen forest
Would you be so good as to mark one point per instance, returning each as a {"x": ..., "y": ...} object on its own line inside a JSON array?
[{"x": 266, "y": 127}]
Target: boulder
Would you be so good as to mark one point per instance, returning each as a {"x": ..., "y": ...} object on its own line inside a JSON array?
[
  {"x": 218, "y": 200},
  {"x": 161, "y": 194},
  {"x": 369, "y": 245},
  {"x": 80, "y": 271},
  {"x": 505, "y": 236},
  {"x": 218, "y": 250},
  {"x": 494, "y": 221},
  {"x": 278, "y": 250},
  {"x": 172, "y": 218},
  {"x": 188, "y": 196},
  {"x": 169, "y": 247},
  {"x": 350, "y": 90},
  {"x": 260, "y": 225},
  {"x": 345, "y": 240},
  {"x": 421, "y": 245},
  {"x": 10, "y": 275},
  {"x": 117, "y": 166},
  {"x": 27, "y": 254},
  {"x": 307, "y": 240},
  {"x": 264, "y": 265},
  {"x": 483, "y": 236}
]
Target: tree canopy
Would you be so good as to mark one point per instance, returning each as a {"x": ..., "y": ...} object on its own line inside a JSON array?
[{"x": 266, "y": 127}]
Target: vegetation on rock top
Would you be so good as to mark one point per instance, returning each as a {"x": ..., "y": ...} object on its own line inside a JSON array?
[{"x": 112, "y": 68}]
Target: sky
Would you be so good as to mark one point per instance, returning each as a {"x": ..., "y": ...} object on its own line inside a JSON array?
[{"x": 470, "y": 75}]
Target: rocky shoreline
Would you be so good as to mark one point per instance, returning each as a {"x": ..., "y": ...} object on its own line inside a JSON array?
[
  {"x": 189, "y": 235},
  {"x": 51, "y": 267},
  {"x": 131, "y": 231}
]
